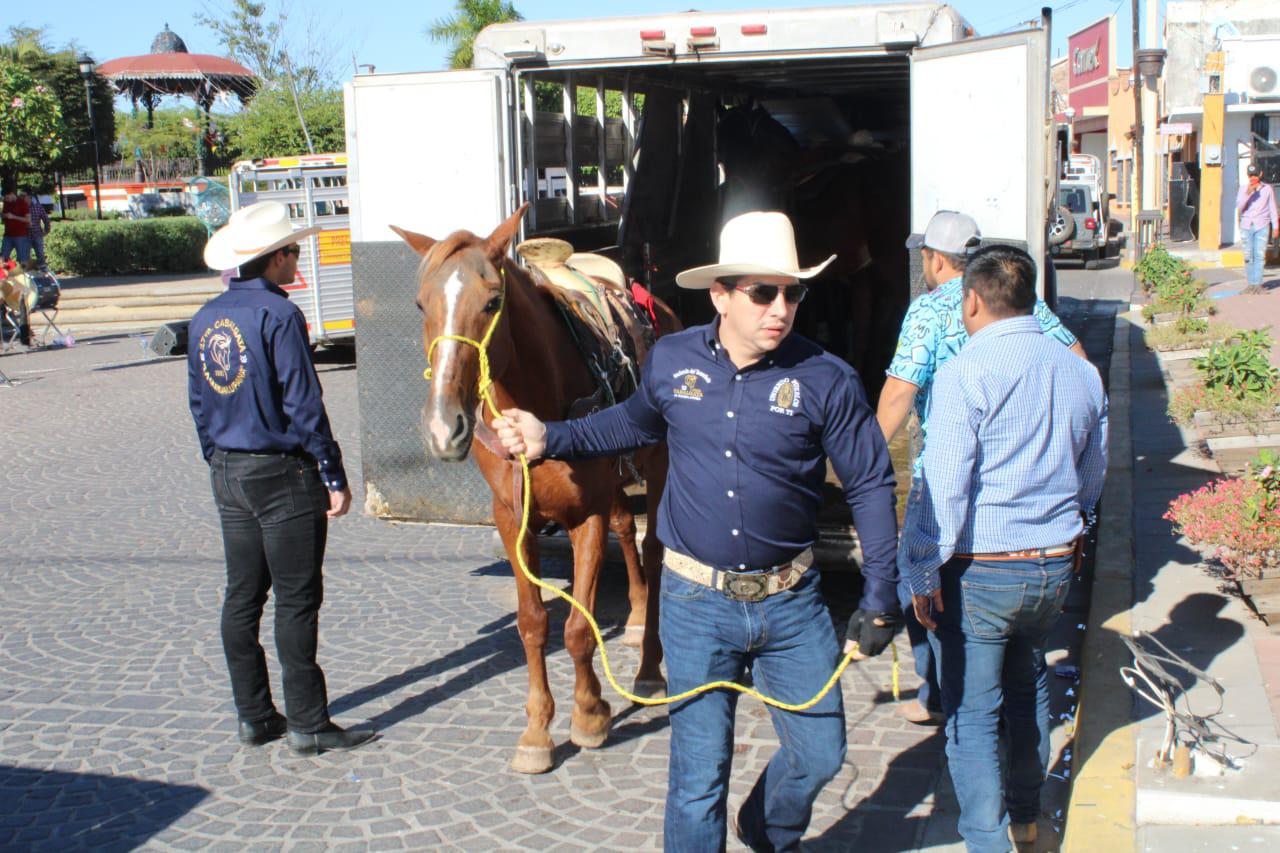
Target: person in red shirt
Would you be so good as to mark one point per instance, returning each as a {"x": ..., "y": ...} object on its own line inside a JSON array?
[{"x": 17, "y": 227}]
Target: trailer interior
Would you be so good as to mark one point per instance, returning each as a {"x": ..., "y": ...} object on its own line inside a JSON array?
[
  {"x": 826, "y": 140},
  {"x": 668, "y": 154}
]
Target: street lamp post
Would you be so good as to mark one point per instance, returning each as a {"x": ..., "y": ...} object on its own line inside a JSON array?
[{"x": 86, "y": 71}]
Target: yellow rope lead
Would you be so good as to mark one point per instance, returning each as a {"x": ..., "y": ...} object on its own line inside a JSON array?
[{"x": 486, "y": 383}]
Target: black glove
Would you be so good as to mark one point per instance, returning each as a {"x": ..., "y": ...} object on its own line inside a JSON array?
[{"x": 873, "y": 632}]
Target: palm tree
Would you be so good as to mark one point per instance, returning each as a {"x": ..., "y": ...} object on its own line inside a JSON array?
[{"x": 459, "y": 30}]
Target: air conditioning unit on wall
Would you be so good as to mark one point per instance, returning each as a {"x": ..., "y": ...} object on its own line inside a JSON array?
[
  {"x": 1252, "y": 68},
  {"x": 1264, "y": 83}
]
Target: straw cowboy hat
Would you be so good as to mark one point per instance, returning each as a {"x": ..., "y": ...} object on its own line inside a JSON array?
[
  {"x": 252, "y": 232},
  {"x": 755, "y": 243}
]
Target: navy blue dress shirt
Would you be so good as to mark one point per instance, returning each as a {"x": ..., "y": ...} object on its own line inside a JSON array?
[
  {"x": 251, "y": 383},
  {"x": 749, "y": 451}
]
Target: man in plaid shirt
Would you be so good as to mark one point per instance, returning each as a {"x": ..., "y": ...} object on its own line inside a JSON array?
[{"x": 40, "y": 226}]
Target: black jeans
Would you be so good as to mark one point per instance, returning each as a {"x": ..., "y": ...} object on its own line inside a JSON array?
[{"x": 273, "y": 531}]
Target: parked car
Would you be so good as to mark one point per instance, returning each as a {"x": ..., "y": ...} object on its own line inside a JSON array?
[{"x": 1083, "y": 227}]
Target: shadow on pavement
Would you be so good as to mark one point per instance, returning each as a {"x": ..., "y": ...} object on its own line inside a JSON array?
[
  {"x": 49, "y": 809},
  {"x": 890, "y": 818}
]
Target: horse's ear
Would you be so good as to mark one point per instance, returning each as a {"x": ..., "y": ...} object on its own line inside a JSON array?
[
  {"x": 420, "y": 243},
  {"x": 500, "y": 240}
]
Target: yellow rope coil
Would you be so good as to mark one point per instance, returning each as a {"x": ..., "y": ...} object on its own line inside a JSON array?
[{"x": 486, "y": 383}]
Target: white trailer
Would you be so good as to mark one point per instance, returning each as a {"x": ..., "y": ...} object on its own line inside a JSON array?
[
  {"x": 314, "y": 188},
  {"x": 951, "y": 120}
]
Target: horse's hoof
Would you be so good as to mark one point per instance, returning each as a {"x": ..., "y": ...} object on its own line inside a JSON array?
[
  {"x": 588, "y": 739},
  {"x": 633, "y": 636},
  {"x": 531, "y": 759},
  {"x": 650, "y": 688}
]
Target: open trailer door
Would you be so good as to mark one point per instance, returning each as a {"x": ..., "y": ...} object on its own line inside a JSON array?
[
  {"x": 429, "y": 152},
  {"x": 980, "y": 127}
]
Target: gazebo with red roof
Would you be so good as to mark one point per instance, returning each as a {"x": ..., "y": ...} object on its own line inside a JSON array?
[{"x": 169, "y": 69}]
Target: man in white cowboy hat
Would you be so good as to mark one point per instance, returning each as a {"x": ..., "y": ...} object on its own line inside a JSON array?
[
  {"x": 751, "y": 414},
  {"x": 276, "y": 472}
]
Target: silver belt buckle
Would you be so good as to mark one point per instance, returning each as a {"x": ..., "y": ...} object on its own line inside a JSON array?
[{"x": 746, "y": 587}]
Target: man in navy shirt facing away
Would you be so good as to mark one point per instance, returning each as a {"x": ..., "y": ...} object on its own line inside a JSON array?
[
  {"x": 751, "y": 414},
  {"x": 276, "y": 472}
]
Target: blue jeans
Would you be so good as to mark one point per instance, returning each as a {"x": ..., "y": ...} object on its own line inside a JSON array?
[
  {"x": 921, "y": 651},
  {"x": 788, "y": 642},
  {"x": 21, "y": 244},
  {"x": 1255, "y": 252},
  {"x": 990, "y": 645}
]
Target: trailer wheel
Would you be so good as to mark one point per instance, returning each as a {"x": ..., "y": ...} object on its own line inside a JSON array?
[{"x": 1063, "y": 226}]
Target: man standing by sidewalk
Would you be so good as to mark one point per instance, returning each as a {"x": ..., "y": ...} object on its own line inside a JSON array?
[
  {"x": 933, "y": 332},
  {"x": 276, "y": 473},
  {"x": 1014, "y": 464},
  {"x": 1256, "y": 207}
]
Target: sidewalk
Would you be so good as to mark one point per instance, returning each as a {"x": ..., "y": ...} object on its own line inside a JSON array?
[{"x": 1150, "y": 581}]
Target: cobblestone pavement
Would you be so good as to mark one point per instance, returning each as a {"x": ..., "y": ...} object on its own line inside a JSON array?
[{"x": 116, "y": 726}]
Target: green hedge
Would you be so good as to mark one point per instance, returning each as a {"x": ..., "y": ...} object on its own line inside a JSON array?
[{"x": 125, "y": 246}]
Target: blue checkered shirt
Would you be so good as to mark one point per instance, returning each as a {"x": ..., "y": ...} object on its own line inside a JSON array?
[
  {"x": 933, "y": 333},
  {"x": 1017, "y": 450}
]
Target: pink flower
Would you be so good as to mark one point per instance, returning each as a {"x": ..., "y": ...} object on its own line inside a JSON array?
[
  {"x": 18, "y": 103},
  {"x": 40, "y": 90}
]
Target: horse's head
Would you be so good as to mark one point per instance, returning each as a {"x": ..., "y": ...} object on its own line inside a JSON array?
[{"x": 460, "y": 289}]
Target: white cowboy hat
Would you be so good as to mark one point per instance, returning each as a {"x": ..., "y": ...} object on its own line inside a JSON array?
[
  {"x": 756, "y": 243},
  {"x": 252, "y": 232}
]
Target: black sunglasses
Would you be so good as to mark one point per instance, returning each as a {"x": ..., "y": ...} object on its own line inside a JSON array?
[
  {"x": 765, "y": 294},
  {"x": 292, "y": 250}
]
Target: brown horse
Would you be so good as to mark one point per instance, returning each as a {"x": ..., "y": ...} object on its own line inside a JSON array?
[{"x": 462, "y": 281}]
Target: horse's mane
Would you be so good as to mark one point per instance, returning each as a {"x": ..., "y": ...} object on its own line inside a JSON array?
[
  {"x": 447, "y": 248},
  {"x": 461, "y": 240}
]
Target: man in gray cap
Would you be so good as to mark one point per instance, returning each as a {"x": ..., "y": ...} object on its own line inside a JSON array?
[
  {"x": 933, "y": 332},
  {"x": 1256, "y": 207}
]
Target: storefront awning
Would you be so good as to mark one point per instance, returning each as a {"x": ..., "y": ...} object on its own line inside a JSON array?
[{"x": 1089, "y": 124}]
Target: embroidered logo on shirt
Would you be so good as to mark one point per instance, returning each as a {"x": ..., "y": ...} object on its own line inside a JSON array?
[
  {"x": 223, "y": 356},
  {"x": 688, "y": 387},
  {"x": 785, "y": 397}
]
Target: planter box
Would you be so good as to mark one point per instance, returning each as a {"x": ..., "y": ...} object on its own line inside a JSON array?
[
  {"x": 1212, "y": 426},
  {"x": 1263, "y": 593},
  {"x": 1243, "y": 442},
  {"x": 1170, "y": 317},
  {"x": 1184, "y": 353}
]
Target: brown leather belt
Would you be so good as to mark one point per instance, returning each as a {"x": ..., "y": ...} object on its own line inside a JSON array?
[
  {"x": 1028, "y": 554},
  {"x": 740, "y": 586}
]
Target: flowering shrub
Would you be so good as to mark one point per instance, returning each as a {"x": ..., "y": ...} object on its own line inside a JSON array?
[
  {"x": 1237, "y": 517},
  {"x": 1158, "y": 266},
  {"x": 1179, "y": 294}
]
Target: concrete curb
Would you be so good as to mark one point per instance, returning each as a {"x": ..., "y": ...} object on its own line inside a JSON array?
[{"x": 1102, "y": 808}]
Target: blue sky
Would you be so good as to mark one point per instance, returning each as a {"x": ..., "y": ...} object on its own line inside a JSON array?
[{"x": 390, "y": 33}]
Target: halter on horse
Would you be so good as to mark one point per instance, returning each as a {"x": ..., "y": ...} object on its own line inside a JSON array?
[{"x": 463, "y": 282}]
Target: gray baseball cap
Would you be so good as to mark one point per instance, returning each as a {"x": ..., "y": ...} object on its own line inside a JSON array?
[
  {"x": 1253, "y": 170},
  {"x": 950, "y": 232}
]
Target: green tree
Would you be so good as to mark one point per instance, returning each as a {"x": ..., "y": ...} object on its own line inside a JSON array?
[
  {"x": 173, "y": 134},
  {"x": 32, "y": 132},
  {"x": 268, "y": 126},
  {"x": 460, "y": 29},
  {"x": 60, "y": 72},
  {"x": 271, "y": 45}
]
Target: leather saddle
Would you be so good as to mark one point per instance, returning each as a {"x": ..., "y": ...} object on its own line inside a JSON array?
[{"x": 613, "y": 334}]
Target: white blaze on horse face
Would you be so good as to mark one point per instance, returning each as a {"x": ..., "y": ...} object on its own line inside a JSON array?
[{"x": 445, "y": 353}]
